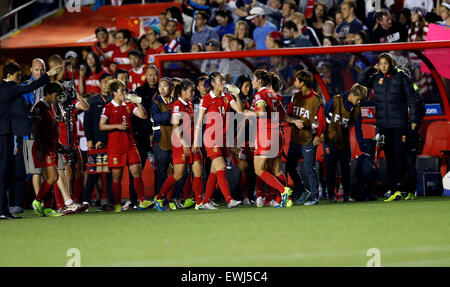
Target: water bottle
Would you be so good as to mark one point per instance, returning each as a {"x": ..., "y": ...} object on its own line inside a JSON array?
[
  {"x": 105, "y": 162},
  {"x": 151, "y": 158},
  {"x": 91, "y": 163},
  {"x": 229, "y": 163},
  {"x": 98, "y": 162}
]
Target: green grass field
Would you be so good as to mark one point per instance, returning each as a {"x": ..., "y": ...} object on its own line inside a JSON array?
[{"x": 407, "y": 233}]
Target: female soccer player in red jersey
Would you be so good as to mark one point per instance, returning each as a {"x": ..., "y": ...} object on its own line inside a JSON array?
[
  {"x": 215, "y": 105},
  {"x": 182, "y": 137},
  {"x": 122, "y": 151},
  {"x": 268, "y": 146}
]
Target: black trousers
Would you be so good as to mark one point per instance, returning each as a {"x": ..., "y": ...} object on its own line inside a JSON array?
[
  {"x": 334, "y": 157},
  {"x": 412, "y": 145},
  {"x": 90, "y": 184},
  {"x": 17, "y": 188},
  {"x": 6, "y": 154},
  {"x": 394, "y": 150}
]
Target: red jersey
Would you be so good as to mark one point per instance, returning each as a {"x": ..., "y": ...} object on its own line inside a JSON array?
[
  {"x": 185, "y": 112},
  {"x": 48, "y": 127},
  {"x": 120, "y": 141},
  {"x": 108, "y": 51},
  {"x": 137, "y": 78},
  {"x": 92, "y": 83},
  {"x": 121, "y": 59},
  {"x": 272, "y": 105},
  {"x": 213, "y": 104},
  {"x": 74, "y": 138},
  {"x": 150, "y": 52}
]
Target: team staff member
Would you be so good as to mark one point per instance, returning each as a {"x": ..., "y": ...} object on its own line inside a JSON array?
[
  {"x": 97, "y": 139},
  {"x": 10, "y": 90},
  {"x": 342, "y": 112},
  {"x": 307, "y": 106},
  {"x": 116, "y": 120},
  {"x": 394, "y": 94}
]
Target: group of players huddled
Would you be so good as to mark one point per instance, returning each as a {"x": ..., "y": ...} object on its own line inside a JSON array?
[{"x": 192, "y": 134}]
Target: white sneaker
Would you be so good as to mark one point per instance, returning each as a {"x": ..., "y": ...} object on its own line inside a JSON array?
[
  {"x": 273, "y": 203},
  {"x": 209, "y": 206},
  {"x": 127, "y": 205},
  {"x": 246, "y": 201},
  {"x": 260, "y": 201},
  {"x": 213, "y": 203},
  {"x": 234, "y": 203}
]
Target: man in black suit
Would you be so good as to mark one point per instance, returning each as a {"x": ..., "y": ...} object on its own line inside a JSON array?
[{"x": 9, "y": 91}]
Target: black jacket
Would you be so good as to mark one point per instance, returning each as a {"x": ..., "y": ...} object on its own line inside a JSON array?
[
  {"x": 394, "y": 94},
  {"x": 142, "y": 128},
  {"x": 92, "y": 119},
  {"x": 10, "y": 92}
]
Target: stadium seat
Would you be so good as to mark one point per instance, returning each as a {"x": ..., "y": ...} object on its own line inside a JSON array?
[
  {"x": 435, "y": 142},
  {"x": 368, "y": 133}
]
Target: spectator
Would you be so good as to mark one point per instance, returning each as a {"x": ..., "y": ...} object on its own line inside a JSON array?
[
  {"x": 173, "y": 42},
  {"x": 287, "y": 11},
  {"x": 237, "y": 44},
  {"x": 308, "y": 32},
  {"x": 329, "y": 71},
  {"x": 143, "y": 44},
  {"x": 183, "y": 28},
  {"x": 404, "y": 17},
  {"x": 163, "y": 20},
  {"x": 119, "y": 57},
  {"x": 271, "y": 11},
  {"x": 203, "y": 32},
  {"x": 54, "y": 61},
  {"x": 444, "y": 10},
  {"x": 211, "y": 65},
  {"x": 71, "y": 70},
  {"x": 263, "y": 27},
  {"x": 330, "y": 41},
  {"x": 274, "y": 40},
  {"x": 356, "y": 65},
  {"x": 103, "y": 48},
  {"x": 339, "y": 18},
  {"x": 232, "y": 68},
  {"x": 226, "y": 40},
  {"x": 388, "y": 31},
  {"x": 195, "y": 48},
  {"x": 293, "y": 37},
  {"x": 155, "y": 46},
  {"x": 351, "y": 24},
  {"x": 90, "y": 75},
  {"x": 137, "y": 76},
  {"x": 317, "y": 21},
  {"x": 241, "y": 31},
  {"x": 220, "y": 5},
  {"x": 225, "y": 23}
]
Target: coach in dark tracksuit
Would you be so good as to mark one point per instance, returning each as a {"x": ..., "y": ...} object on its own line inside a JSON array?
[
  {"x": 341, "y": 113},
  {"x": 393, "y": 96},
  {"x": 96, "y": 138},
  {"x": 9, "y": 91}
]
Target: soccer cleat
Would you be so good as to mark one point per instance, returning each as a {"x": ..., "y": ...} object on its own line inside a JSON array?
[
  {"x": 128, "y": 205},
  {"x": 396, "y": 196},
  {"x": 69, "y": 209},
  {"x": 81, "y": 207},
  {"x": 304, "y": 197},
  {"x": 209, "y": 206},
  {"x": 172, "y": 206},
  {"x": 246, "y": 201},
  {"x": 178, "y": 203},
  {"x": 312, "y": 202},
  {"x": 260, "y": 202},
  {"x": 159, "y": 204},
  {"x": 145, "y": 205},
  {"x": 199, "y": 206},
  {"x": 51, "y": 213},
  {"x": 273, "y": 203},
  {"x": 411, "y": 196},
  {"x": 213, "y": 203},
  {"x": 37, "y": 207},
  {"x": 285, "y": 195},
  {"x": 234, "y": 203},
  {"x": 118, "y": 208},
  {"x": 188, "y": 203},
  {"x": 278, "y": 206},
  {"x": 289, "y": 203}
]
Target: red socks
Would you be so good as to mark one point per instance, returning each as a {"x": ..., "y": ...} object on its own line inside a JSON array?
[
  {"x": 117, "y": 190},
  {"x": 77, "y": 189},
  {"x": 282, "y": 179},
  {"x": 58, "y": 197},
  {"x": 223, "y": 184},
  {"x": 243, "y": 183},
  {"x": 168, "y": 185},
  {"x": 187, "y": 188},
  {"x": 138, "y": 184},
  {"x": 43, "y": 190},
  {"x": 210, "y": 187},
  {"x": 272, "y": 181},
  {"x": 198, "y": 189}
]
